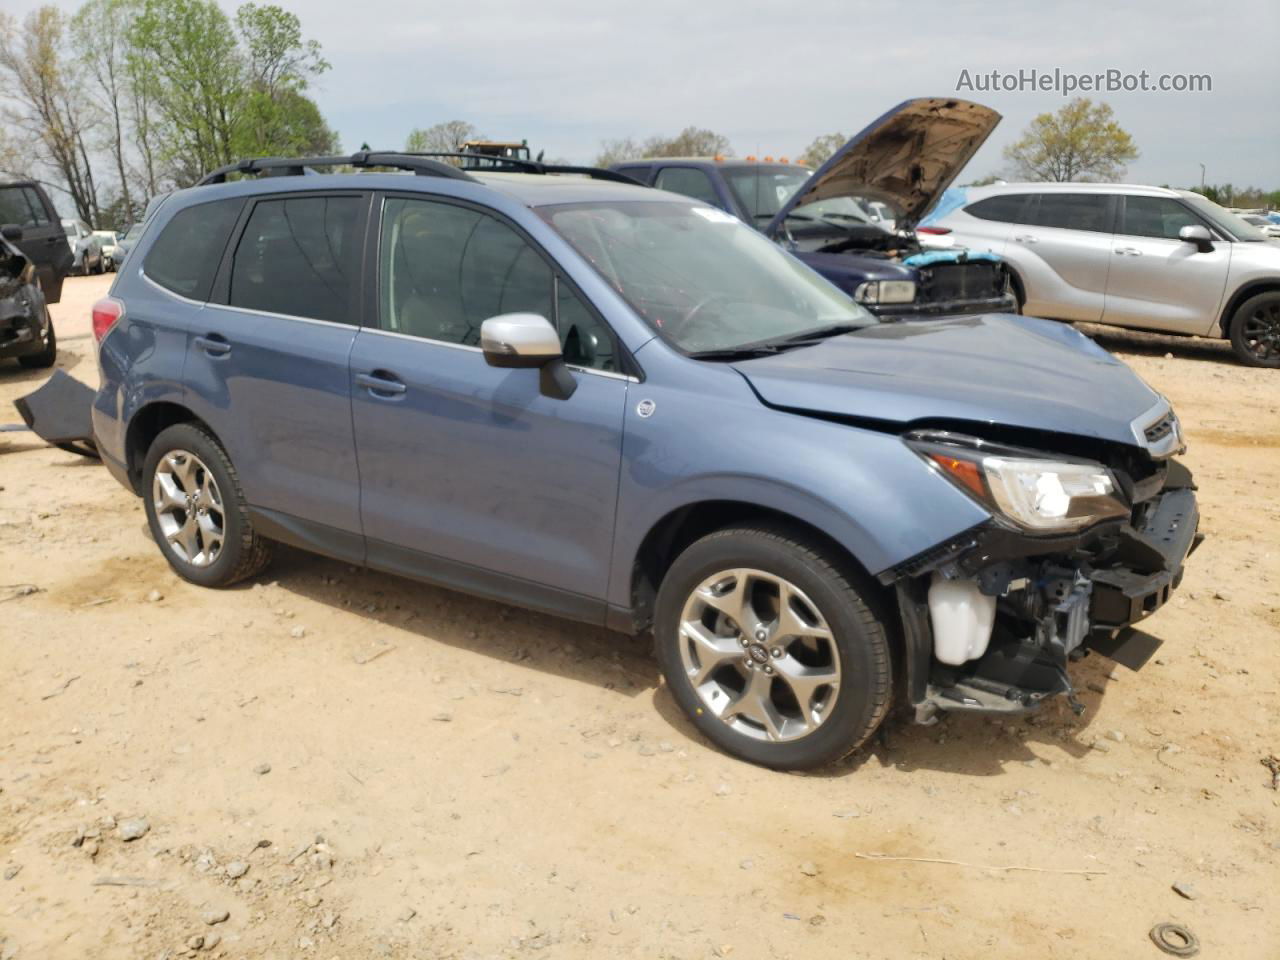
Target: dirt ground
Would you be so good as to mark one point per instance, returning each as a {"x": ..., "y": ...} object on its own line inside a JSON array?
[{"x": 350, "y": 765}]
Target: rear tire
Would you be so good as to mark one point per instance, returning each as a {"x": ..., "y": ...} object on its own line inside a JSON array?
[
  {"x": 49, "y": 355},
  {"x": 789, "y": 691},
  {"x": 1255, "y": 330},
  {"x": 197, "y": 511}
]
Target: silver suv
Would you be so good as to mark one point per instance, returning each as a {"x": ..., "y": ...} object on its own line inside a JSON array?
[{"x": 1132, "y": 256}]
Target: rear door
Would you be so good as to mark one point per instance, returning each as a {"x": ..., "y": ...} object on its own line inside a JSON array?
[
  {"x": 985, "y": 225},
  {"x": 470, "y": 475},
  {"x": 1157, "y": 281},
  {"x": 1062, "y": 254},
  {"x": 268, "y": 360},
  {"x": 43, "y": 240}
]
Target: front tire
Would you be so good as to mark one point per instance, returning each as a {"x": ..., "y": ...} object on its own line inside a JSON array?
[
  {"x": 771, "y": 645},
  {"x": 197, "y": 511},
  {"x": 1255, "y": 330}
]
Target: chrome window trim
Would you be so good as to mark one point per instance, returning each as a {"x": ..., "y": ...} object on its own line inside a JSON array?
[
  {"x": 610, "y": 374},
  {"x": 283, "y": 316},
  {"x": 165, "y": 290}
]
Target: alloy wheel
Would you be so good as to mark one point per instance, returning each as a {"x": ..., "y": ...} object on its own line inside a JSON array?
[
  {"x": 1261, "y": 331},
  {"x": 759, "y": 654},
  {"x": 188, "y": 508}
]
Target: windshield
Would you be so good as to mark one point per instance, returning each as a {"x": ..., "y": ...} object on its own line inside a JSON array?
[
  {"x": 1223, "y": 219},
  {"x": 763, "y": 190},
  {"x": 701, "y": 278}
]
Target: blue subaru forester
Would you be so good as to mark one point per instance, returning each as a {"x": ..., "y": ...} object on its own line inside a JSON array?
[{"x": 628, "y": 408}]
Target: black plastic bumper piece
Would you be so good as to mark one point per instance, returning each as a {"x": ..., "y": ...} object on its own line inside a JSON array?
[
  {"x": 59, "y": 413},
  {"x": 1123, "y": 595}
]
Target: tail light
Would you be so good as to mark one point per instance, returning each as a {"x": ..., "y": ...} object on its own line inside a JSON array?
[
  {"x": 935, "y": 231},
  {"x": 106, "y": 312}
]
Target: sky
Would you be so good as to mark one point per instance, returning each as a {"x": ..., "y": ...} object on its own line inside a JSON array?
[{"x": 565, "y": 75}]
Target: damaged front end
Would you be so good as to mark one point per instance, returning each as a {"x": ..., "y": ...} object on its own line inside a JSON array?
[
  {"x": 23, "y": 318},
  {"x": 993, "y": 618}
]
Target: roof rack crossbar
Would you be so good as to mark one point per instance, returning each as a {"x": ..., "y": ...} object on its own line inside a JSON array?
[
  {"x": 298, "y": 166},
  {"x": 519, "y": 164}
]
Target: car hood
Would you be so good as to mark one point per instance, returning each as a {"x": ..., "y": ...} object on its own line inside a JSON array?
[
  {"x": 906, "y": 158},
  {"x": 986, "y": 369}
]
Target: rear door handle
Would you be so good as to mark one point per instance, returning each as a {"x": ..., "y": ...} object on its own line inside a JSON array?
[
  {"x": 1026, "y": 238},
  {"x": 381, "y": 383},
  {"x": 213, "y": 344}
]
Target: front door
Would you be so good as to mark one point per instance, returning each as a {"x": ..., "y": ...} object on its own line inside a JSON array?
[
  {"x": 1157, "y": 281},
  {"x": 268, "y": 358},
  {"x": 470, "y": 476}
]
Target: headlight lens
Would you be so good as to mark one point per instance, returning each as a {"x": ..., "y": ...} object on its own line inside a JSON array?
[
  {"x": 1039, "y": 495},
  {"x": 886, "y": 291}
]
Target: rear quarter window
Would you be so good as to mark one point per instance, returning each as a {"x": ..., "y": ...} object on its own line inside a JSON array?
[
  {"x": 1010, "y": 208},
  {"x": 185, "y": 256}
]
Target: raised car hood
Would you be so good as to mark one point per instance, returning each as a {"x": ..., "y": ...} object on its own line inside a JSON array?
[
  {"x": 992, "y": 368},
  {"x": 906, "y": 158}
]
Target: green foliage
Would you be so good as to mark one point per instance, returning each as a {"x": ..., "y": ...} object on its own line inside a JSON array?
[
  {"x": 1081, "y": 142},
  {"x": 820, "y": 151}
]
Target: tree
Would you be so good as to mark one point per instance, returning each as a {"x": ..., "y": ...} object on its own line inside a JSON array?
[
  {"x": 689, "y": 142},
  {"x": 98, "y": 35},
  {"x": 447, "y": 137},
  {"x": 185, "y": 54},
  {"x": 1082, "y": 141},
  {"x": 276, "y": 118},
  {"x": 820, "y": 151},
  {"x": 48, "y": 109}
]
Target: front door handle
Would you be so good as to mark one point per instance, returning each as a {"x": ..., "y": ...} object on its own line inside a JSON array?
[
  {"x": 1026, "y": 238},
  {"x": 381, "y": 383},
  {"x": 1130, "y": 251},
  {"x": 213, "y": 344}
]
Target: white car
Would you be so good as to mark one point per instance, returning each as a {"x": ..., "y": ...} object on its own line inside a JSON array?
[
  {"x": 108, "y": 239},
  {"x": 1262, "y": 223},
  {"x": 1132, "y": 256}
]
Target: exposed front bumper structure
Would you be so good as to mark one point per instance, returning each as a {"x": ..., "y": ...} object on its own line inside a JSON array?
[{"x": 1056, "y": 600}]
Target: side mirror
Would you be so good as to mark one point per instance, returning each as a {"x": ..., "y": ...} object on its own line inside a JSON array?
[
  {"x": 1198, "y": 235},
  {"x": 11, "y": 232},
  {"x": 528, "y": 340}
]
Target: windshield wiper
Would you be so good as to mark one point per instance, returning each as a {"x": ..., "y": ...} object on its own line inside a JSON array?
[
  {"x": 820, "y": 333},
  {"x": 745, "y": 352}
]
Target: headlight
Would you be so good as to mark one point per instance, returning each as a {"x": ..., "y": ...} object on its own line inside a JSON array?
[
  {"x": 1040, "y": 495},
  {"x": 886, "y": 291}
]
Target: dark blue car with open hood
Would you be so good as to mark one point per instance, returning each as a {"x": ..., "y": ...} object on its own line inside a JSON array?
[{"x": 828, "y": 217}]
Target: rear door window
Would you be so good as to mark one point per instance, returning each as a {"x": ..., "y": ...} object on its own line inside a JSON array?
[
  {"x": 1074, "y": 211},
  {"x": 185, "y": 256},
  {"x": 1158, "y": 217},
  {"x": 689, "y": 181},
  {"x": 300, "y": 256},
  {"x": 22, "y": 205}
]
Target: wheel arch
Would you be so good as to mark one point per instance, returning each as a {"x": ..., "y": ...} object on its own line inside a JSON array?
[
  {"x": 145, "y": 425},
  {"x": 679, "y": 528},
  {"x": 1251, "y": 289}
]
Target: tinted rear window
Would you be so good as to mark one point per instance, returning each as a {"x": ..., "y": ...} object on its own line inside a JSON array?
[
  {"x": 1074, "y": 211},
  {"x": 22, "y": 206},
  {"x": 185, "y": 256},
  {"x": 637, "y": 173},
  {"x": 1009, "y": 208}
]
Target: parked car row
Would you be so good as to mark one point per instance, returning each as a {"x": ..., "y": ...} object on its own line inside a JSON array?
[
  {"x": 853, "y": 219},
  {"x": 628, "y": 407},
  {"x": 1148, "y": 258}
]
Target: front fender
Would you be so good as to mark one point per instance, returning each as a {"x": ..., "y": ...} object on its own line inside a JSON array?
[{"x": 865, "y": 489}]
